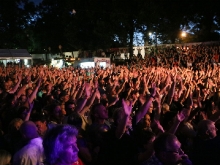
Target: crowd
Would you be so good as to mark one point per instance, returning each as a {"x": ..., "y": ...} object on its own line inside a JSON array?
[{"x": 154, "y": 111}]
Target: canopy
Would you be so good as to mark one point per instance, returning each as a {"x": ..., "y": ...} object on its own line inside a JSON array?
[{"x": 6, "y": 54}]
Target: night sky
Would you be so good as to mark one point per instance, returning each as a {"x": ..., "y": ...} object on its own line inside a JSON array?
[{"x": 36, "y": 1}]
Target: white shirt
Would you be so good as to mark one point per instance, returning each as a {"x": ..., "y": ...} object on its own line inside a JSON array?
[{"x": 30, "y": 154}]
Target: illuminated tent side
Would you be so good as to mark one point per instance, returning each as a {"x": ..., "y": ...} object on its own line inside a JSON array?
[
  {"x": 6, "y": 54},
  {"x": 21, "y": 56}
]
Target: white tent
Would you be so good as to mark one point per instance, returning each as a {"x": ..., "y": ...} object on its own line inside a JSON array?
[{"x": 11, "y": 54}]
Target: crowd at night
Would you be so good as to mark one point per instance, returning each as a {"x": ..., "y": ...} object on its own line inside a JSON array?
[
  {"x": 162, "y": 109},
  {"x": 109, "y": 82}
]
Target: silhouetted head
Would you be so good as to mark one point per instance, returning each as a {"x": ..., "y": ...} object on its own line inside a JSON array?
[{"x": 29, "y": 130}]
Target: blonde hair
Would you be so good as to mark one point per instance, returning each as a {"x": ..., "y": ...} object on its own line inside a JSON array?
[
  {"x": 12, "y": 124},
  {"x": 165, "y": 108},
  {"x": 5, "y": 157}
]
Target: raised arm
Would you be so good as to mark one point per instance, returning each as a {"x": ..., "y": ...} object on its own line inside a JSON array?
[
  {"x": 166, "y": 84},
  {"x": 14, "y": 89},
  {"x": 30, "y": 108},
  {"x": 90, "y": 102},
  {"x": 82, "y": 102},
  {"x": 81, "y": 90},
  {"x": 145, "y": 107},
  {"x": 178, "y": 119},
  {"x": 157, "y": 106},
  {"x": 33, "y": 94},
  {"x": 121, "y": 128},
  {"x": 21, "y": 90},
  {"x": 172, "y": 90},
  {"x": 121, "y": 88}
]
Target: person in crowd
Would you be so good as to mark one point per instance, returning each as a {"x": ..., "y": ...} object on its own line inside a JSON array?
[
  {"x": 85, "y": 154},
  {"x": 43, "y": 126},
  {"x": 206, "y": 146},
  {"x": 168, "y": 151},
  {"x": 146, "y": 145},
  {"x": 5, "y": 157},
  {"x": 99, "y": 126},
  {"x": 12, "y": 139},
  {"x": 32, "y": 152},
  {"x": 173, "y": 90},
  {"x": 60, "y": 146},
  {"x": 55, "y": 114}
]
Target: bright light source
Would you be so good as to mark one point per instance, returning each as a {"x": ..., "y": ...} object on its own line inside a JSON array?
[
  {"x": 87, "y": 64},
  {"x": 57, "y": 63},
  {"x": 25, "y": 62},
  {"x": 74, "y": 11},
  {"x": 183, "y": 34},
  {"x": 150, "y": 34},
  {"x": 102, "y": 64}
]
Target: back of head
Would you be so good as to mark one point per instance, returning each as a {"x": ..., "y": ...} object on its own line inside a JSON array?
[
  {"x": 47, "y": 99},
  {"x": 75, "y": 119},
  {"x": 162, "y": 142},
  {"x": 29, "y": 130},
  {"x": 53, "y": 106},
  {"x": 5, "y": 157},
  {"x": 165, "y": 108},
  {"x": 14, "y": 125},
  {"x": 117, "y": 115},
  {"x": 168, "y": 119},
  {"x": 146, "y": 137},
  {"x": 203, "y": 126},
  {"x": 206, "y": 128}
]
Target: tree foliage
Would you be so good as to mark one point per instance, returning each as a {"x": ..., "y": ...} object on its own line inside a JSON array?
[
  {"x": 15, "y": 19},
  {"x": 97, "y": 24}
]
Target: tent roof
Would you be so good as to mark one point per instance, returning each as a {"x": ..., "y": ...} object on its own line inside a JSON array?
[{"x": 14, "y": 54}]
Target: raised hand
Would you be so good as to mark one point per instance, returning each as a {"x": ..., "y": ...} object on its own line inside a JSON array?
[
  {"x": 157, "y": 98},
  {"x": 39, "y": 82},
  {"x": 88, "y": 89},
  {"x": 127, "y": 107},
  {"x": 126, "y": 79},
  {"x": 153, "y": 90},
  {"x": 174, "y": 77},
  {"x": 180, "y": 116},
  {"x": 97, "y": 94},
  {"x": 19, "y": 76}
]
